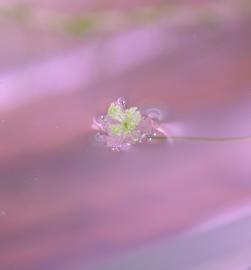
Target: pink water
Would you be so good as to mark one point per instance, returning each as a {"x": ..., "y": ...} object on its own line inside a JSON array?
[{"x": 66, "y": 202}]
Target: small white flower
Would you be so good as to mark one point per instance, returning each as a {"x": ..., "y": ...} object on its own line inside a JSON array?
[
  {"x": 122, "y": 127},
  {"x": 126, "y": 120}
]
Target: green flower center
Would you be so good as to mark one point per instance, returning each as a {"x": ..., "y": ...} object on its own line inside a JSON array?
[{"x": 128, "y": 120}]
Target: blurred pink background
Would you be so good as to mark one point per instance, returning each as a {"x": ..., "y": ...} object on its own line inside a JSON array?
[{"x": 65, "y": 202}]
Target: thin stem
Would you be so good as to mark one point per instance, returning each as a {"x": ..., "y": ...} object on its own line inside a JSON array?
[{"x": 201, "y": 138}]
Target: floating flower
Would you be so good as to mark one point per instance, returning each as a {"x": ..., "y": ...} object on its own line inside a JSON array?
[{"x": 122, "y": 127}]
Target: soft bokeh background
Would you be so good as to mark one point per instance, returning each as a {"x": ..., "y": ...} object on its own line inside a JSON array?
[{"x": 66, "y": 203}]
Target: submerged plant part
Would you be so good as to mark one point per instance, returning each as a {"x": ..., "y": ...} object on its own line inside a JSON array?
[{"x": 122, "y": 127}]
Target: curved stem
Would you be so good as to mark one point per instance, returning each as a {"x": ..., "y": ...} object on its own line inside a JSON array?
[{"x": 202, "y": 138}]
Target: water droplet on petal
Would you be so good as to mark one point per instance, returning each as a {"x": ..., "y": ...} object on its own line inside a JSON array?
[
  {"x": 98, "y": 123},
  {"x": 100, "y": 119},
  {"x": 122, "y": 102}
]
